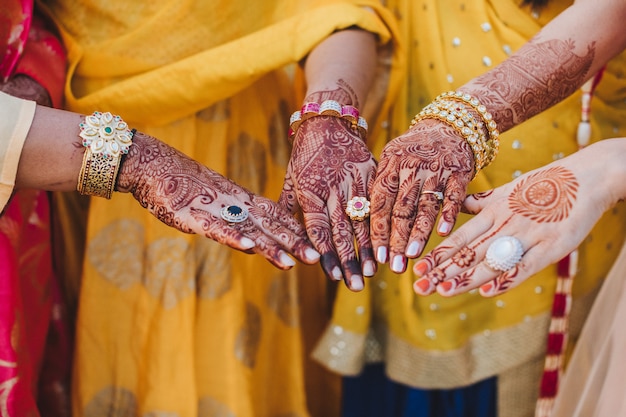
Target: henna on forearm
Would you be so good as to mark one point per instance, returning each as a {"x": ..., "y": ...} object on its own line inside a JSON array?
[
  {"x": 344, "y": 94},
  {"x": 539, "y": 75}
]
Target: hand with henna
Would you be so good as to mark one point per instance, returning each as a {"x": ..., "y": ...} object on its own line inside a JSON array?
[
  {"x": 549, "y": 210},
  {"x": 330, "y": 161},
  {"x": 179, "y": 191},
  {"x": 429, "y": 157},
  {"x": 189, "y": 197},
  {"x": 550, "y": 67},
  {"x": 330, "y": 164}
]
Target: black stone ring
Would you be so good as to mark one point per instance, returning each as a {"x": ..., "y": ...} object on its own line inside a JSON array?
[{"x": 234, "y": 214}]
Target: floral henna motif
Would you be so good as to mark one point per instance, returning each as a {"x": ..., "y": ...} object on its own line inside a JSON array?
[
  {"x": 546, "y": 196},
  {"x": 464, "y": 257},
  {"x": 547, "y": 71},
  {"x": 430, "y": 151}
]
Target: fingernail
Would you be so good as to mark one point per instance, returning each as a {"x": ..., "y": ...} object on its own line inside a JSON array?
[
  {"x": 445, "y": 286},
  {"x": 414, "y": 249},
  {"x": 420, "y": 268},
  {"x": 286, "y": 259},
  {"x": 337, "y": 275},
  {"x": 368, "y": 269},
  {"x": 356, "y": 282},
  {"x": 486, "y": 288},
  {"x": 381, "y": 255},
  {"x": 444, "y": 228},
  {"x": 312, "y": 254},
  {"x": 246, "y": 243},
  {"x": 398, "y": 264},
  {"x": 422, "y": 286}
]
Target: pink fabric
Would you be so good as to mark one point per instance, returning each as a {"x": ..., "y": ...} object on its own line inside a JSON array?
[
  {"x": 15, "y": 19},
  {"x": 35, "y": 348}
]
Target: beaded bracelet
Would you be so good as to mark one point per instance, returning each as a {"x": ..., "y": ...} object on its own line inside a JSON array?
[
  {"x": 491, "y": 125},
  {"x": 105, "y": 138},
  {"x": 482, "y": 136},
  {"x": 327, "y": 108},
  {"x": 461, "y": 119}
]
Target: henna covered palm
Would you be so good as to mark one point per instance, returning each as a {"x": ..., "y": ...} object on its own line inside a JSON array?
[
  {"x": 329, "y": 165},
  {"x": 188, "y": 196},
  {"x": 544, "y": 209},
  {"x": 431, "y": 156}
]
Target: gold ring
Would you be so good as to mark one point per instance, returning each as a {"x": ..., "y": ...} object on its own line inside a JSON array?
[
  {"x": 358, "y": 208},
  {"x": 437, "y": 194}
]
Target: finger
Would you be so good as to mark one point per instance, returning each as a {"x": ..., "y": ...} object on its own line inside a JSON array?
[
  {"x": 216, "y": 228},
  {"x": 288, "y": 197},
  {"x": 268, "y": 248},
  {"x": 464, "y": 237},
  {"x": 383, "y": 194},
  {"x": 281, "y": 227},
  {"x": 429, "y": 205},
  {"x": 344, "y": 240},
  {"x": 358, "y": 211},
  {"x": 526, "y": 268},
  {"x": 320, "y": 235},
  {"x": 454, "y": 195},
  {"x": 474, "y": 203},
  {"x": 403, "y": 218}
]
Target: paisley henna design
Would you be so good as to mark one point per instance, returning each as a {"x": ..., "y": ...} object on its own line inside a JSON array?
[
  {"x": 188, "y": 196},
  {"x": 545, "y": 196},
  {"x": 539, "y": 75},
  {"x": 329, "y": 165}
]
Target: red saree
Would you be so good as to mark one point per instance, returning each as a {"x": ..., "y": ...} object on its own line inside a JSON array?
[{"x": 34, "y": 339}]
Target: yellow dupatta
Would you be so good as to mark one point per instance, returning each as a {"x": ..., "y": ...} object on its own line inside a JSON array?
[{"x": 173, "y": 323}]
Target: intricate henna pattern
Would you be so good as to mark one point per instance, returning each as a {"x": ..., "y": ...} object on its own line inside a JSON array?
[
  {"x": 431, "y": 152},
  {"x": 540, "y": 75},
  {"x": 343, "y": 94},
  {"x": 188, "y": 196},
  {"x": 546, "y": 196},
  {"x": 328, "y": 161}
]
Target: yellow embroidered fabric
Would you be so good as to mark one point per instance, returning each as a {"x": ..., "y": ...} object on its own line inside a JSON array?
[
  {"x": 173, "y": 324},
  {"x": 436, "y": 342}
]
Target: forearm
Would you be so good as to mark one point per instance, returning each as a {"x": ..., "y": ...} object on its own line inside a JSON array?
[
  {"x": 556, "y": 62},
  {"x": 52, "y": 154},
  {"x": 342, "y": 68}
]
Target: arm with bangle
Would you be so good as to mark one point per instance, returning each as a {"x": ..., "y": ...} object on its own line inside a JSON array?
[
  {"x": 331, "y": 167},
  {"x": 98, "y": 154},
  {"x": 457, "y": 135}
]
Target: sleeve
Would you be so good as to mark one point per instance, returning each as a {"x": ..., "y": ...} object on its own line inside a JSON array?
[{"x": 16, "y": 117}]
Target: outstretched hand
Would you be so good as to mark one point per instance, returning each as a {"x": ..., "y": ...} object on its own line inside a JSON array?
[
  {"x": 330, "y": 164},
  {"x": 542, "y": 209},
  {"x": 190, "y": 197},
  {"x": 425, "y": 170}
]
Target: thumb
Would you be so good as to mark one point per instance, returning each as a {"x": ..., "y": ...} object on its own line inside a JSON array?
[
  {"x": 474, "y": 203},
  {"x": 288, "y": 198}
]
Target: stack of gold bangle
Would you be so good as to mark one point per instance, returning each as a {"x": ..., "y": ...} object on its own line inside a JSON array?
[
  {"x": 482, "y": 135},
  {"x": 106, "y": 138}
]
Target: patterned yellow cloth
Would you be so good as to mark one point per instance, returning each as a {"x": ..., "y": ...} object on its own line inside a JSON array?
[
  {"x": 437, "y": 342},
  {"x": 172, "y": 324}
]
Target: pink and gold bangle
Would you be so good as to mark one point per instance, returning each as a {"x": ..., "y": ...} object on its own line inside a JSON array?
[
  {"x": 328, "y": 108},
  {"x": 105, "y": 138}
]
